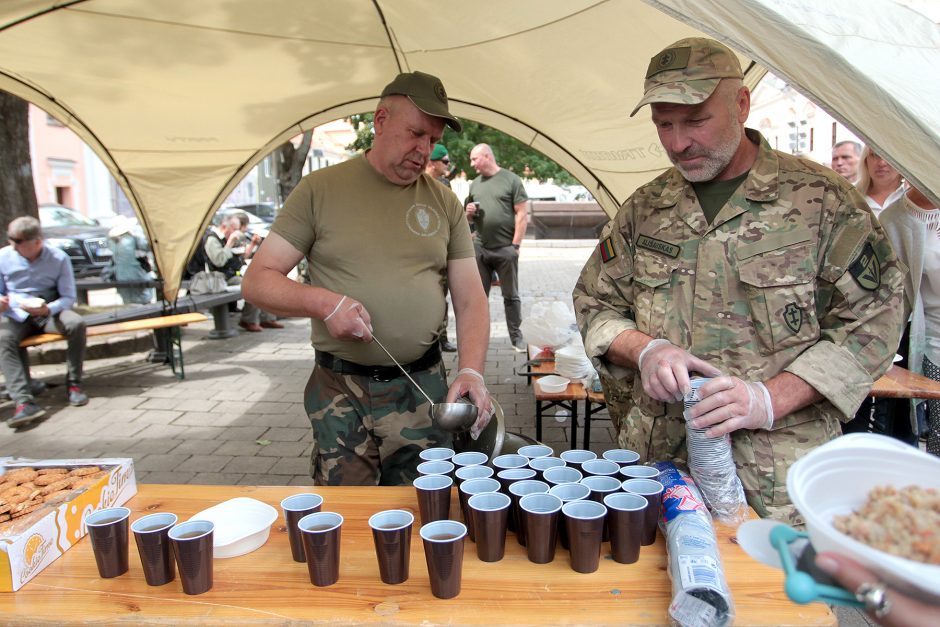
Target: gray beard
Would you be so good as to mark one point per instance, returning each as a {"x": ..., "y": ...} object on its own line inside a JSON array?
[{"x": 714, "y": 162}]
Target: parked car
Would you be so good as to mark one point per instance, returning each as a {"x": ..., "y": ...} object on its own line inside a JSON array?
[{"x": 82, "y": 238}]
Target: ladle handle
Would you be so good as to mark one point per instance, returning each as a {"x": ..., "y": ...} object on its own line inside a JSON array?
[{"x": 405, "y": 372}]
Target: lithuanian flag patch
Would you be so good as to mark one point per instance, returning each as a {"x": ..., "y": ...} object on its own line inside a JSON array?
[{"x": 607, "y": 249}]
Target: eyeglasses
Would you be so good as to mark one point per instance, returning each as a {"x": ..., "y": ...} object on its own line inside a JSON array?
[
  {"x": 446, "y": 161},
  {"x": 17, "y": 240}
]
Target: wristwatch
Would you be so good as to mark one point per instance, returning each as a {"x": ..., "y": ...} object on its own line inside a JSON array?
[{"x": 516, "y": 246}]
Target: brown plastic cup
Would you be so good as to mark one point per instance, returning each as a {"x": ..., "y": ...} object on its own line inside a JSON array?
[
  {"x": 465, "y": 473},
  {"x": 490, "y": 514},
  {"x": 391, "y": 533},
  {"x": 622, "y": 456},
  {"x": 192, "y": 547},
  {"x": 436, "y": 453},
  {"x": 469, "y": 458},
  {"x": 540, "y": 514},
  {"x": 652, "y": 491},
  {"x": 443, "y": 551},
  {"x": 577, "y": 456},
  {"x": 541, "y": 464},
  {"x": 509, "y": 460},
  {"x": 562, "y": 474},
  {"x": 509, "y": 476},
  {"x": 436, "y": 467},
  {"x": 322, "y": 536},
  {"x": 107, "y": 529},
  {"x": 585, "y": 521},
  {"x": 625, "y": 516},
  {"x": 600, "y": 468},
  {"x": 601, "y": 486},
  {"x": 533, "y": 451},
  {"x": 433, "y": 497},
  {"x": 568, "y": 492},
  {"x": 152, "y": 535},
  {"x": 467, "y": 489},
  {"x": 639, "y": 472},
  {"x": 516, "y": 491},
  {"x": 296, "y": 507}
]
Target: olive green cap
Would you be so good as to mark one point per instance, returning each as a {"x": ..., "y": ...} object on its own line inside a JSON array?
[
  {"x": 426, "y": 92},
  {"x": 688, "y": 71}
]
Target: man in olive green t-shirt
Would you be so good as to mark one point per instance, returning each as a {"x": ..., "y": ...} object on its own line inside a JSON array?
[
  {"x": 381, "y": 237},
  {"x": 499, "y": 196}
]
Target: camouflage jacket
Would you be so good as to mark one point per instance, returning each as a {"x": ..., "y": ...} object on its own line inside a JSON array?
[{"x": 794, "y": 274}]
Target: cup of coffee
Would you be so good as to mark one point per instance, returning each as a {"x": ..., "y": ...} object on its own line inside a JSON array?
[
  {"x": 296, "y": 507},
  {"x": 391, "y": 534},
  {"x": 585, "y": 521},
  {"x": 321, "y": 536},
  {"x": 443, "y": 551},
  {"x": 540, "y": 514},
  {"x": 433, "y": 497},
  {"x": 152, "y": 535},
  {"x": 192, "y": 548},
  {"x": 107, "y": 529},
  {"x": 652, "y": 491},
  {"x": 601, "y": 486},
  {"x": 626, "y": 514},
  {"x": 490, "y": 514}
]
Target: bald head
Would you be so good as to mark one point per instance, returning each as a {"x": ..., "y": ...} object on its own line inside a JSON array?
[{"x": 483, "y": 160}]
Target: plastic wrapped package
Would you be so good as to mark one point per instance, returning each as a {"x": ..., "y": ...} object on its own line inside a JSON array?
[
  {"x": 550, "y": 324},
  {"x": 712, "y": 467},
  {"x": 700, "y": 594}
]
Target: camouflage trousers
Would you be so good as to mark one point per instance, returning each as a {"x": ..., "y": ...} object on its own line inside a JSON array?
[
  {"x": 762, "y": 458},
  {"x": 370, "y": 432}
]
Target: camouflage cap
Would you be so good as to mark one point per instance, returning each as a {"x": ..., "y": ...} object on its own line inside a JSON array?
[
  {"x": 424, "y": 91},
  {"x": 688, "y": 71}
]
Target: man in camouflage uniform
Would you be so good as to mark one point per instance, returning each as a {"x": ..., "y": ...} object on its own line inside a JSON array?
[
  {"x": 762, "y": 270},
  {"x": 381, "y": 238}
]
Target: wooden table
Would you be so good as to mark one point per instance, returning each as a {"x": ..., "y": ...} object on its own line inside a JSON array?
[
  {"x": 542, "y": 362},
  {"x": 267, "y": 587},
  {"x": 899, "y": 382}
]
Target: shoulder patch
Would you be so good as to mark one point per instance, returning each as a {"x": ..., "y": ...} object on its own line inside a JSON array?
[
  {"x": 658, "y": 245},
  {"x": 607, "y": 250},
  {"x": 867, "y": 269}
]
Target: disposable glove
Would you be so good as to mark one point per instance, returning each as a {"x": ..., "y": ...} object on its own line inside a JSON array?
[
  {"x": 664, "y": 370},
  {"x": 729, "y": 403},
  {"x": 349, "y": 320}
]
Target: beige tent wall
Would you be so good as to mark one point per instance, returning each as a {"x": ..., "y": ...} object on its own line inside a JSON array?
[{"x": 180, "y": 99}]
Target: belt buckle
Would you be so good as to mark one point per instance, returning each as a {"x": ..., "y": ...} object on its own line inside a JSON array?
[{"x": 386, "y": 374}]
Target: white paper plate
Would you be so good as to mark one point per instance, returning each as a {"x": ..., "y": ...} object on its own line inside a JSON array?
[{"x": 241, "y": 525}]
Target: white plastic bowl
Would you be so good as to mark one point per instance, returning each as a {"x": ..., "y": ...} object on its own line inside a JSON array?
[
  {"x": 33, "y": 302},
  {"x": 552, "y": 384},
  {"x": 241, "y": 525},
  {"x": 836, "y": 478}
]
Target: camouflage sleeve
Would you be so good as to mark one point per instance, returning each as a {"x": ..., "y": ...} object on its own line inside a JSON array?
[
  {"x": 860, "y": 306},
  {"x": 603, "y": 302}
]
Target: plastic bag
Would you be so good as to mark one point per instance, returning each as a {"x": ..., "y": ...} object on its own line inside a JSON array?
[
  {"x": 549, "y": 325},
  {"x": 700, "y": 593},
  {"x": 207, "y": 283}
]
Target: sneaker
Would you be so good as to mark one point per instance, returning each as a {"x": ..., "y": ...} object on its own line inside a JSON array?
[
  {"x": 448, "y": 347},
  {"x": 77, "y": 398},
  {"x": 519, "y": 345},
  {"x": 25, "y": 413}
]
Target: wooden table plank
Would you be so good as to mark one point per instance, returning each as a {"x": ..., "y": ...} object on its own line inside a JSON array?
[
  {"x": 899, "y": 382},
  {"x": 266, "y": 586}
]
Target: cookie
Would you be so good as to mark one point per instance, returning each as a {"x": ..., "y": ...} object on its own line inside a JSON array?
[
  {"x": 44, "y": 480},
  {"x": 20, "y": 475},
  {"x": 16, "y": 495},
  {"x": 52, "y": 471},
  {"x": 81, "y": 471},
  {"x": 62, "y": 484},
  {"x": 5, "y": 506},
  {"x": 25, "y": 508},
  {"x": 57, "y": 497}
]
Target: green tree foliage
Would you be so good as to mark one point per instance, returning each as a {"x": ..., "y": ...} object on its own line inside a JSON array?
[{"x": 510, "y": 152}]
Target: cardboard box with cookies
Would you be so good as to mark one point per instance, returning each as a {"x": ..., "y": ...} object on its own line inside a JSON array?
[{"x": 43, "y": 506}]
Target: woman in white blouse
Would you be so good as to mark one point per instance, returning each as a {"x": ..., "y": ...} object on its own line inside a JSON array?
[
  {"x": 879, "y": 182},
  {"x": 913, "y": 225}
]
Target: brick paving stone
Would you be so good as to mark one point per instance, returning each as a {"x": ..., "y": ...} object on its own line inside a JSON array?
[
  {"x": 196, "y": 405},
  {"x": 265, "y": 479},
  {"x": 239, "y": 448},
  {"x": 291, "y": 466},
  {"x": 160, "y": 403},
  {"x": 301, "y": 480},
  {"x": 216, "y": 478},
  {"x": 198, "y": 447},
  {"x": 280, "y": 434},
  {"x": 249, "y": 465},
  {"x": 204, "y": 463},
  {"x": 149, "y": 446},
  {"x": 165, "y": 476},
  {"x": 285, "y": 449},
  {"x": 160, "y": 462},
  {"x": 162, "y": 431},
  {"x": 202, "y": 419},
  {"x": 158, "y": 416}
]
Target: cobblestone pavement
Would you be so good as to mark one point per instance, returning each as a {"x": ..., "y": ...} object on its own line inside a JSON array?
[{"x": 238, "y": 417}]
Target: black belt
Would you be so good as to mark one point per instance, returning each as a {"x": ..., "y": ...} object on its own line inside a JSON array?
[{"x": 379, "y": 373}]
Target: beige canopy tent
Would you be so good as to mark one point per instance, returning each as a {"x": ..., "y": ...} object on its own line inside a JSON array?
[{"x": 180, "y": 98}]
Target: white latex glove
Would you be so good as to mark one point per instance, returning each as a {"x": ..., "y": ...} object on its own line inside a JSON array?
[
  {"x": 664, "y": 370},
  {"x": 349, "y": 320},
  {"x": 728, "y": 404},
  {"x": 469, "y": 382}
]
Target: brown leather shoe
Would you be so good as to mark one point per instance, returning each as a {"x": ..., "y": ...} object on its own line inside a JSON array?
[
  {"x": 250, "y": 326},
  {"x": 272, "y": 324}
]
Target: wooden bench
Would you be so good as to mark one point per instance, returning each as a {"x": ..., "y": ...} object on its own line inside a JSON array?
[{"x": 170, "y": 324}]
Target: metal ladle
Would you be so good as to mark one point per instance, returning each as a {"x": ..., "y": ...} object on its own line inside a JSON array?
[{"x": 457, "y": 416}]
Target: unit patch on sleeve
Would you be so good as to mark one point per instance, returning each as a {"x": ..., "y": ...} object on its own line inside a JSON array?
[
  {"x": 867, "y": 269},
  {"x": 607, "y": 250}
]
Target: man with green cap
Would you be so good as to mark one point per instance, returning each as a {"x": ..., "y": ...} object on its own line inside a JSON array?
[
  {"x": 762, "y": 271},
  {"x": 381, "y": 238},
  {"x": 439, "y": 166}
]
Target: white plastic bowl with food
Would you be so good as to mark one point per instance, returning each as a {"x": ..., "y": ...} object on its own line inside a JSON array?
[
  {"x": 242, "y": 525},
  {"x": 33, "y": 302},
  {"x": 836, "y": 479},
  {"x": 552, "y": 384}
]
